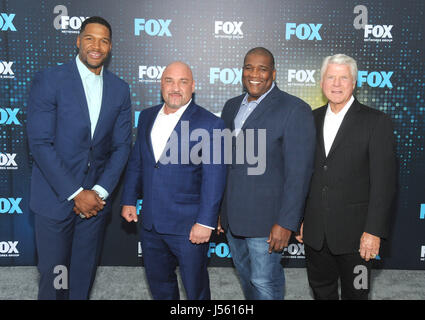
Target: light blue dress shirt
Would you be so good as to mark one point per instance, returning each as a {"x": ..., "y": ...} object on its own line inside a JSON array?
[
  {"x": 93, "y": 89},
  {"x": 247, "y": 108}
]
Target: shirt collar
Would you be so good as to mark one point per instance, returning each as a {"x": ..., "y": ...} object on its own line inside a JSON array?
[
  {"x": 343, "y": 111},
  {"x": 245, "y": 99},
  {"x": 84, "y": 71},
  {"x": 179, "y": 111}
]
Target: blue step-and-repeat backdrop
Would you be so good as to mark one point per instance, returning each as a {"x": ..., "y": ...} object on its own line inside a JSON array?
[{"x": 386, "y": 38}]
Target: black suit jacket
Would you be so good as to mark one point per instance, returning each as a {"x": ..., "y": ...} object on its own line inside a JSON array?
[{"x": 352, "y": 189}]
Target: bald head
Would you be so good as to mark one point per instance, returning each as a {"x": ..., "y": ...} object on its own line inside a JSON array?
[
  {"x": 177, "y": 85},
  {"x": 178, "y": 67}
]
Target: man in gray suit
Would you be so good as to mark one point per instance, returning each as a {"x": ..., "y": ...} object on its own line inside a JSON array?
[{"x": 260, "y": 211}]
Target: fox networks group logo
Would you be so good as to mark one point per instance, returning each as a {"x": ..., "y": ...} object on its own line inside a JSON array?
[
  {"x": 9, "y": 116},
  {"x": 375, "y": 79},
  {"x": 226, "y": 76},
  {"x": 139, "y": 250},
  {"x": 136, "y": 118},
  {"x": 6, "y": 22},
  {"x": 10, "y": 205},
  {"x": 221, "y": 250},
  {"x": 9, "y": 249},
  {"x": 6, "y": 71},
  {"x": 66, "y": 23},
  {"x": 371, "y": 32},
  {"x": 7, "y": 161},
  {"x": 228, "y": 29},
  {"x": 303, "y": 31},
  {"x": 139, "y": 206},
  {"x": 152, "y": 27},
  {"x": 150, "y": 73},
  {"x": 301, "y": 78},
  {"x": 422, "y": 212},
  {"x": 294, "y": 251}
]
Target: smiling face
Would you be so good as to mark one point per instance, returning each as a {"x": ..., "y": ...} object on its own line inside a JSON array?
[
  {"x": 338, "y": 85},
  {"x": 177, "y": 86},
  {"x": 94, "y": 45},
  {"x": 258, "y": 75}
]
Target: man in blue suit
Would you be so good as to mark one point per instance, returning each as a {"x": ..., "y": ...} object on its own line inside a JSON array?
[
  {"x": 260, "y": 211},
  {"x": 79, "y": 133},
  {"x": 177, "y": 167}
]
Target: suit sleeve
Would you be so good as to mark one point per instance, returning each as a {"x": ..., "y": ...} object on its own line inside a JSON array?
[
  {"x": 213, "y": 178},
  {"x": 133, "y": 186},
  {"x": 382, "y": 171},
  {"x": 298, "y": 146},
  {"x": 41, "y": 130},
  {"x": 121, "y": 144}
]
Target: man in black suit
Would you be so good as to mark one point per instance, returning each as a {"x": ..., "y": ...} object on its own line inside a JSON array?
[
  {"x": 263, "y": 206},
  {"x": 352, "y": 188}
]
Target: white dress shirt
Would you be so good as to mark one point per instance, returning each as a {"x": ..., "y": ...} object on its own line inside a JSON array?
[
  {"x": 161, "y": 130},
  {"x": 163, "y": 127},
  {"x": 332, "y": 123}
]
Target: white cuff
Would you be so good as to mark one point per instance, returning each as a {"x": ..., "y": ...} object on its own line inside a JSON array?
[
  {"x": 75, "y": 194},
  {"x": 205, "y": 226},
  {"x": 103, "y": 194}
]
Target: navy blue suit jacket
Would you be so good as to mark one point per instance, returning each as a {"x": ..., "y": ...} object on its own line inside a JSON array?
[
  {"x": 252, "y": 204},
  {"x": 175, "y": 196},
  {"x": 59, "y": 135}
]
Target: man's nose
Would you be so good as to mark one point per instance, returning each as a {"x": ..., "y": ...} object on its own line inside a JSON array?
[
  {"x": 96, "y": 44},
  {"x": 337, "y": 81},
  {"x": 255, "y": 72}
]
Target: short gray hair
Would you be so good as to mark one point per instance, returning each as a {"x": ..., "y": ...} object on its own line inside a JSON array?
[{"x": 339, "y": 59}]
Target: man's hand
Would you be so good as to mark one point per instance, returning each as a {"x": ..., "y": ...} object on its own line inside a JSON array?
[
  {"x": 129, "y": 213},
  {"x": 88, "y": 203},
  {"x": 278, "y": 238},
  {"x": 299, "y": 237},
  {"x": 199, "y": 234},
  {"x": 369, "y": 246}
]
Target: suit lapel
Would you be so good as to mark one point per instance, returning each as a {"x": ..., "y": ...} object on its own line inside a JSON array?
[
  {"x": 261, "y": 108},
  {"x": 346, "y": 125},
  {"x": 320, "y": 120},
  {"x": 78, "y": 90},
  {"x": 148, "y": 131},
  {"x": 186, "y": 116},
  {"x": 104, "y": 106},
  {"x": 235, "y": 111}
]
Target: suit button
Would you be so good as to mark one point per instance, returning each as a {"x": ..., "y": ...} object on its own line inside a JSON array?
[
  {"x": 325, "y": 188},
  {"x": 156, "y": 166},
  {"x": 325, "y": 167}
]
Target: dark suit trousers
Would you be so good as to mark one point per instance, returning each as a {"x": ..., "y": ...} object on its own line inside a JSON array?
[
  {"x": 161, "y": 255},
  {"x": 324, "y": 269},
  {"x": 74, "y": 244}
]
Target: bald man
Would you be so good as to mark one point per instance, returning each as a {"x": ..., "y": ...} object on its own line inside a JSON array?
[{"x": 172, "y": 169}]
